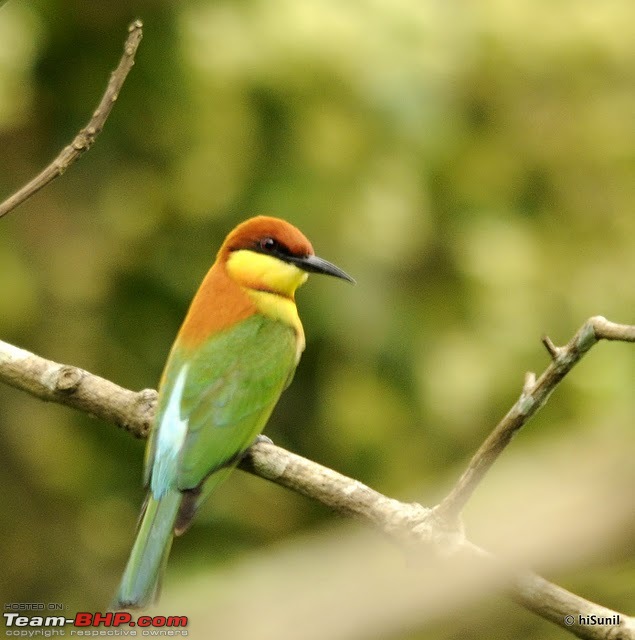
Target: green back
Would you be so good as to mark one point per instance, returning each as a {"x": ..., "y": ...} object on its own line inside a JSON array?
[{"x": 230, "y": 386}]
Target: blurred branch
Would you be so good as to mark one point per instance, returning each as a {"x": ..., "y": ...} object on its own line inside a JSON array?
[
  {"x": 533, "y": 397},
  {"x": 556, "y": 604},
  {"x": 409, "y": 522},
  {"x": 85, "y": 138}
]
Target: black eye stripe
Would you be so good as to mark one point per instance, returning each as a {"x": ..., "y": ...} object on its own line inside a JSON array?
[{"x": 272, "y": 247}]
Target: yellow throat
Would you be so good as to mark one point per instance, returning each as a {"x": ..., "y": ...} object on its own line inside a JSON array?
[{"x": 271, "y": 283}]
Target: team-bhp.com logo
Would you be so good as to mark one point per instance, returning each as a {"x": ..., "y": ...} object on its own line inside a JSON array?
[{"x": 87, "y": 624}]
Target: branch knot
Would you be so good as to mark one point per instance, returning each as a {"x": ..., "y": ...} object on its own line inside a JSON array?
[{"x": 68, "y": 379}]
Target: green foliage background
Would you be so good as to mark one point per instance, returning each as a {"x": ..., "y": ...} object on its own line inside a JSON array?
[{"x": 471, "y": 164}]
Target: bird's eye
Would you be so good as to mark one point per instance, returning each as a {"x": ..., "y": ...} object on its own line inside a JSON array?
[{"x": 268, "y": 244}]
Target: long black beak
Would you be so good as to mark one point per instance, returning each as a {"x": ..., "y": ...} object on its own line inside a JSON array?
[{"x": 313, "y": 264}]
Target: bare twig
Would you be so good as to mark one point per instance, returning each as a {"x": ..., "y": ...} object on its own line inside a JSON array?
[
  {"x": 554, "y": 351},
  {"x": 85, "y": 138},
  {"x": 404, "y": 521},
  {"x": 534, "y": 395}
]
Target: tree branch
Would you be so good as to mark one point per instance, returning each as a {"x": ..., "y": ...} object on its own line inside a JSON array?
[
  {"x": 534, "y": 396},
  {"x": 408, "y": 522},
  {"x": 74, "y": 387},
  {"x": 85, "y": 138}
]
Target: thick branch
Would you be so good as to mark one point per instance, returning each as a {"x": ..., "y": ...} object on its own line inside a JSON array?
[
  {"x": 342, "y": 494},
  {"x": 85, "y": 138},
  {"x": 74, "y": 387},
  {"x": 410, "y": 522},
  {"x": 534, "y": 395}
]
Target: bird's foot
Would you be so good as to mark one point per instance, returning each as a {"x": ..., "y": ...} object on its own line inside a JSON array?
[{"x": 263, "y": 438}]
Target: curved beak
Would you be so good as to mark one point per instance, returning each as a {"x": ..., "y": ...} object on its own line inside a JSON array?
[{"x": 313, "y": 264}]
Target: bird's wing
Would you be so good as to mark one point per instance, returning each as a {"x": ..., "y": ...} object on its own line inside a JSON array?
[{"x": 216, "y": 399}]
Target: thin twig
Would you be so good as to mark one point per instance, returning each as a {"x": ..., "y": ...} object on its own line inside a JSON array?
[
  {"x": 533, "y": 397},
  {"x": 409, "y": 522},
  {"x": 554, "y": 351},
  {"x": 85, "y": 138}
]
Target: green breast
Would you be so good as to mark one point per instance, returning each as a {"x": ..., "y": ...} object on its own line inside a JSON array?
[{"x": 232, "y": 384}]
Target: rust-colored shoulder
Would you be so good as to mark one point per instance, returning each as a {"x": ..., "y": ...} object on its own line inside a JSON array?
[{"x": 218, "y": 304}]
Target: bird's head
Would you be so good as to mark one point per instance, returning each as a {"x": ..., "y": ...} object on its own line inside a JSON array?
[{"x": 269, "y": 254}]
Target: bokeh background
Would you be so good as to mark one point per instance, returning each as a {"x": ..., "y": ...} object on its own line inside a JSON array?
[{"x": 471, "y": 164}]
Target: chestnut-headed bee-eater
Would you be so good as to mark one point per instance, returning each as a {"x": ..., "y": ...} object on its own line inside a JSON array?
[{"x": 235, "y": 353}]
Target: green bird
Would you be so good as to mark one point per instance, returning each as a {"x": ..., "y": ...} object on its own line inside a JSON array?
[{"x": 235, "y": 353}]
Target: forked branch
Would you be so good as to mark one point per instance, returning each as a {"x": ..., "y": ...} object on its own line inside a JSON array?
[
  {"x": 408, "y": 522},
  {"x": 533, "y": 397}
]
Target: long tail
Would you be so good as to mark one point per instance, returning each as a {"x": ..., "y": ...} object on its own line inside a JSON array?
[{"x": 142, "y": 578}]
